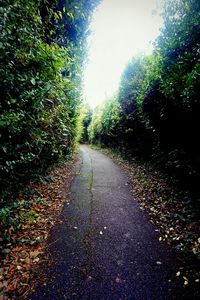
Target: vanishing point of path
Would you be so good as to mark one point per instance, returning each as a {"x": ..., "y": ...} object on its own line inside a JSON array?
[{"x": 104, "y": 247}]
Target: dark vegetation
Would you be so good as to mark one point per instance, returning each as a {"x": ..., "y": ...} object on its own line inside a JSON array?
[
  {"x": 155, "y": 114},
  {"x": 42, "y": 51}
]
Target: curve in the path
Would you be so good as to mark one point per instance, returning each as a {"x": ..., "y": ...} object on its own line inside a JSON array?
[{"x": 105, "y": 248}]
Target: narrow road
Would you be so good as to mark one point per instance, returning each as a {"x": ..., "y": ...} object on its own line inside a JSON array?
[{"x": 104, "y": 247}]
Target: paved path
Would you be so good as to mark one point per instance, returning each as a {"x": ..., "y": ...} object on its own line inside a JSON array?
[{"x": 105, "y": 248}]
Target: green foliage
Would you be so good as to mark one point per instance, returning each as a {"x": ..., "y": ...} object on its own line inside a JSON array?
[
  {"x": 42, "y": 49},
  {"x": 104, "y": 123},
  {"x": 84, "y": 119},
  {"x": 119, "y": 123},
  {"x": 158, "y": 99},
  {"x": 171, "y": 103}
]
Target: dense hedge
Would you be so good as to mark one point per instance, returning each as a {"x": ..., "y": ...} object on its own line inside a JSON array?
[
  {"x": 155, "y": 115},
  {"x": 42, "y": 50}
]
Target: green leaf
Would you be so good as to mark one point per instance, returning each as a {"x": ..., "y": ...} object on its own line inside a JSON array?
[{"x": 33, "y": 81}]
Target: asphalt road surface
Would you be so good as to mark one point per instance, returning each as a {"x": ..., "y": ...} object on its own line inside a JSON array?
[{"x": 105, "y": 247}]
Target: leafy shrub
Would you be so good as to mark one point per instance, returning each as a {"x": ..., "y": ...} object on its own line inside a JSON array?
[
  {"x": 158, "y": 99},
  {"x": 42, "y": 49}
]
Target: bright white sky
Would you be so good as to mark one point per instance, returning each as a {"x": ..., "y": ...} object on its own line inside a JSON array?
[{"x": 120, "y": 29}]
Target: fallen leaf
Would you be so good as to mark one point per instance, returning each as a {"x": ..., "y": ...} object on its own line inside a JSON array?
[
  {"x": 34, "y": 254},
  {"x": 2, "y": 297},
  {"x": 185, "y": 280},
  {"x": 6, "y": 251},
  {"x": 36, "y": 259},
  {"x": 3, "y": 284}
]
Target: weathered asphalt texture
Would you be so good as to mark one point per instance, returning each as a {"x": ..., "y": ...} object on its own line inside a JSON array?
[{"x": 105, "y": 247}]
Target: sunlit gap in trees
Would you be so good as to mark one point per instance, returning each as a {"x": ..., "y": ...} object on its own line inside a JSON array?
[{"x": 119, "y": 30}]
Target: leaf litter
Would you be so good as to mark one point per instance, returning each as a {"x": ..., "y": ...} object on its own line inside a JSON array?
[{"x": 22, "y": 250}]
